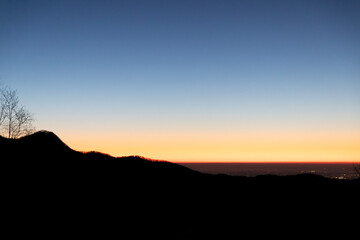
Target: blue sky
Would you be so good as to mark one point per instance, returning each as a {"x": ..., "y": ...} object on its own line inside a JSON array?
[{"x": 115, "y": 66}]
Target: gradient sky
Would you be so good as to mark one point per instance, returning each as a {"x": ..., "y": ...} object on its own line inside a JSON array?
[{"x": 190, "y": 80}]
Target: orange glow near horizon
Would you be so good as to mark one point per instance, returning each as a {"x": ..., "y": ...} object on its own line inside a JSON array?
[{"x": 224, "y": 147}]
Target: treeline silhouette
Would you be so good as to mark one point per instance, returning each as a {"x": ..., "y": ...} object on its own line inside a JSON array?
[{"x": 51, "y": 190}]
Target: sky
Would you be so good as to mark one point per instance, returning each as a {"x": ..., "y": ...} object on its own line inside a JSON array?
[{"x": 201, "y": 81}]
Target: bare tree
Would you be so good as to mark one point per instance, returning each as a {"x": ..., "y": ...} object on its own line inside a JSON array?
[
  {"x": 357, "y": 168},
  {"x": 15, "y": 120},
  {"x": 2, "y": 108}
]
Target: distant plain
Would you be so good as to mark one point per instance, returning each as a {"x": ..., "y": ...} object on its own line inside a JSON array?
[{"x": 330, "y": 170}]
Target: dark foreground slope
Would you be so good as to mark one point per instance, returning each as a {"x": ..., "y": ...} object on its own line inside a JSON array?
[{"x": 52, "y": 191}]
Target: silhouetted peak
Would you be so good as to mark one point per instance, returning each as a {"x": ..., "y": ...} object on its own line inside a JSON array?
[
  {"x": 44, "y": 139},
  {"x": 42, "y": 134}
]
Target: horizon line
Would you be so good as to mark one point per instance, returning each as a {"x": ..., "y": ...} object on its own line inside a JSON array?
[{"x": 271, "y": 162}]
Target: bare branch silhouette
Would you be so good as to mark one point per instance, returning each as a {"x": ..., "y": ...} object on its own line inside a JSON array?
[
  {"x": 357, "y": 168},
  {"x": 15, "y": 120},
  {"x": 2, "y": 107}
]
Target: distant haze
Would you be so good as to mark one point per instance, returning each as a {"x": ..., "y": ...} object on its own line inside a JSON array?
[{"x": 190, "y": 80}]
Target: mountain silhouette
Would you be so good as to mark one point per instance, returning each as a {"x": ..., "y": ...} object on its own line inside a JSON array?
[
  {"x": 44, "y": 140},
  {"x": 45, "y": 149},
  {"x": 52, "y": 190}
]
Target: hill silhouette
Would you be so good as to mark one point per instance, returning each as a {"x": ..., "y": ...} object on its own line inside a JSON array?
[
  {"x": 44, "y": 149},
  {"x": 52, "y": 190}
]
